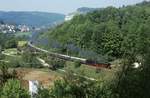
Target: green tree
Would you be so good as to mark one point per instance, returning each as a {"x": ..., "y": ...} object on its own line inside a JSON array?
[
  {"x": 12, "y": 89},
  {"x": 44, "y": 93},
  {"x": 78, "y": 87},
  {"x": 5, "y": 74},
  {"x": 29, "y": 59}
]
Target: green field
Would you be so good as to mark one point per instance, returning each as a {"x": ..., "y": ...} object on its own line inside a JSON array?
[
  {"x": 89, "y": 71},
  {"x": 11, "y": 51},
  {"x": 21, "y": 34}
]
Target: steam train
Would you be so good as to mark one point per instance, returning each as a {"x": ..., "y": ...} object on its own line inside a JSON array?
[{"x": 70, "y": 58}]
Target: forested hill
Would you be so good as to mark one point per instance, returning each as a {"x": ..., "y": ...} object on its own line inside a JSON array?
[
  {"x": 110, "y": 31},
  {"x": 31, "y": 18},
  {"x": 84, "y": 10}
]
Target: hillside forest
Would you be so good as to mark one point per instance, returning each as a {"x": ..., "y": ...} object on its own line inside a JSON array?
[{"x": 109, "y": 34}]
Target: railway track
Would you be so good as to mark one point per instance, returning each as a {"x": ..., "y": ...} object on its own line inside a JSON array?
[{"x": 70, "y": 58}]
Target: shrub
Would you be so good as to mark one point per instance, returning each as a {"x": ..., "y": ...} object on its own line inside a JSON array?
[
  {"x": 77, "y": 64},
  {"x": 12, "y": 89}
]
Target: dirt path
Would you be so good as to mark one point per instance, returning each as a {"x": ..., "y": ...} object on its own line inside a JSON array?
[{"x": 46, "y": 78}]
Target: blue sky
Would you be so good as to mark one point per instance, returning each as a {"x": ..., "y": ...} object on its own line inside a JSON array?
[{"x": 59, "y": 6}]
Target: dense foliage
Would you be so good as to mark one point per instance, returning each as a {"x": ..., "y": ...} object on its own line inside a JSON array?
[
  {"x": 8, "y": 41},
  {"x": 110, "y": 31},
  {"x": 116, "y": 32},
  {"x": 13, "y": 89},
  {"x": 29, "y": 60}
]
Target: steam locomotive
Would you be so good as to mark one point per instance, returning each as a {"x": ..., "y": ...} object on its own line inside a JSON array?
[{"x": 71, "y": 58}]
